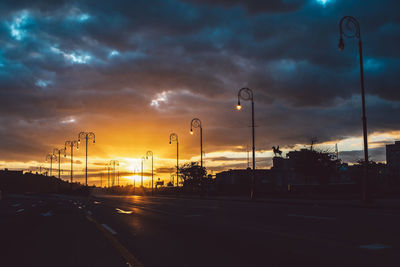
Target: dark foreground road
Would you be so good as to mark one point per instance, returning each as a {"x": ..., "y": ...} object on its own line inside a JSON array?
[{"x": 114, "y": 231}]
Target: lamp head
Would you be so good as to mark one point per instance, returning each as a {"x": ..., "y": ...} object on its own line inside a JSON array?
[
  {"x": 341, "y": 44},
  {"x": 169, "y": 142},
  {"x": 239, "y": 107},
  {"x": 94, "y": 141},
  {"x": 79, "y": 141},
  {"x": 191, "y": 131}
]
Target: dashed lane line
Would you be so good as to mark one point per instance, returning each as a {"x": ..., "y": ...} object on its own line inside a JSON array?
[{"x": 108, "y": 228}]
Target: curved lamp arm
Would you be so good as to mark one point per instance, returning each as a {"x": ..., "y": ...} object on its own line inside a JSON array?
[
  {"x": 352, "y": 28},
  {"x": 245, "y": 94}
]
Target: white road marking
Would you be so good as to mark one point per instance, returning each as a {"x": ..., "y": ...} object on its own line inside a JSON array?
[
  {"x": 16, "y": 205},
  {"x": 375, "y": 246},
  {"x": 97, "y": 202},
  {"x": 153, "y": 210},
  {"x": 108, "y": 228},
  {"x": 47, "y": 214},
  {"x": 20, "y": 210},
  {"x": 120, "y": 211},
  {"x": 311, "y": 217}
]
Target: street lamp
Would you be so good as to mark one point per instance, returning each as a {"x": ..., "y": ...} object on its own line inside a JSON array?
[
  {"x": 148, "y": 154},
  {"x": 87, "y": 136},
  {"x": 114, "y": 163},
  {"x": 108, "y": 174},
  {"x": 71, "y": 145},
  {"x": 353, "y": 30},
  {"x": 246, "y": 94},
  {"x": 141, "y": 176},
  {"x": 196, "y": 123},
  {"x": 40, "y": 169},
  {"x": 55, "y": 152},
  {"x": 51, "y": 157},
  {"x": 174, "y": 137}
]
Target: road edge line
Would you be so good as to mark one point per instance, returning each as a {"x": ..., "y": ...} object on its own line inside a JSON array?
[{"x": 123, "y": 251}]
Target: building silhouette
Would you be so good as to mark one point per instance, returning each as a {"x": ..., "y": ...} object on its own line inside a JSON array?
[
  {"x": 239, "y": 181},
  {"x": 393, "y": 159}
]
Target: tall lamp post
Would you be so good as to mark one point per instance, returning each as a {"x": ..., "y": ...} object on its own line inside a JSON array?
[
  {"x": 196, "y": 123},
  {"x": 71, "y": 145},
  {"x": 114, "y": 163},
  {"x": 150, "y": 154},
  {"x": 246, "y": 94},
  {"x": 87, "y": 136},
  {"x": 51, "y": 157},
  {"x": 141, "y": 176},
  {"x": 174, "y": 137},
  {"x": 55, "y": 152},
  {"x": 108, "y": 174},
  {"x": 353, "y": 30}
]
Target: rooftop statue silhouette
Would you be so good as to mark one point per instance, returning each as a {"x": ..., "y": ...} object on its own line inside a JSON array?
[{"x": 277, "y": 151}]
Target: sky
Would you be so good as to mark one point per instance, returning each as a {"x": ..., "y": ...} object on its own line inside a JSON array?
[{"x": 133, "y": 72}]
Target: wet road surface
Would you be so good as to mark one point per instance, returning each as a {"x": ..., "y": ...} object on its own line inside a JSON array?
[{"x": 161, "y": 231}]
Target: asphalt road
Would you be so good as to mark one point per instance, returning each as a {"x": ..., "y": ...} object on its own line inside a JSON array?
[{"x": 157, "y": 231}]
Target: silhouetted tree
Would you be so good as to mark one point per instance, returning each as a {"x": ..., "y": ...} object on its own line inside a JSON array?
[
  {"x": 377, "y": 175},
  {"x": 192, "y": 171},
  {"x": 193, "y": 176},
  {"x": 312, "y": 164}
]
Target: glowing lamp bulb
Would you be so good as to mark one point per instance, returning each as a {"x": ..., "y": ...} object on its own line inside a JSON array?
[
  {"x": 238, "y": 107},
  {"x": 191, "y": 131}
]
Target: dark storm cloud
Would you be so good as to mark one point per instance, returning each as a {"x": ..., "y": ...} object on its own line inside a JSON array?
[
  {"x": 257, "y": 6},
  {"x": 67, "y": 58}
]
